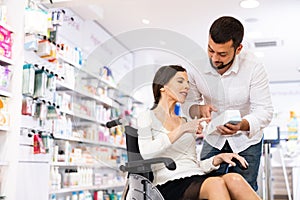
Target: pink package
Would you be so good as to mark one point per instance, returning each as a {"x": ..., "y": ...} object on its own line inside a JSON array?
[
  {"x": 5, "y": 50},
  {"x": 5, "y": 35}
]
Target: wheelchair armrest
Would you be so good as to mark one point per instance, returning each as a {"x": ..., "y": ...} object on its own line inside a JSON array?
[{"x": 143, "y": 166}]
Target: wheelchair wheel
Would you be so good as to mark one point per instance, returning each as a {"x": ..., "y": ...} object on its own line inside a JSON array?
[{"x": 140, "y": 188}]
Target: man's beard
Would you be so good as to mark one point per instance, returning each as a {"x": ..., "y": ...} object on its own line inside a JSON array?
[{"x": 222, "y": 66}]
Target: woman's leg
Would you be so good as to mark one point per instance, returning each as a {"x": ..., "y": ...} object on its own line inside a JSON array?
[
  {"x": 238, "y": 187},
  {"x": 214, "y": 188}
]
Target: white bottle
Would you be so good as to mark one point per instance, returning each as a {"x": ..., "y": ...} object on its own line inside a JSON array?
[
  {"x": 74, "y": 196},
  {"x": 69, "y": 130},
  {"x": 52, "y": 178},
  {"x": 90, "y": 176},
  {"x": 58, "y": 178},
  {"x": 81, "y": 195},
  {"x": 79, "y": 170},
  {"x": 67, "y": 152},
  {"x": 53, "y": 196}
]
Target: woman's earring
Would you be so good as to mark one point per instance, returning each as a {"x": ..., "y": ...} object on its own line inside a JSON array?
[{"x": 162, "y": 89}]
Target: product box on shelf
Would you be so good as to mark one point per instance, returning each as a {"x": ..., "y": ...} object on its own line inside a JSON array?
[
  {"x": 3, "y": 13},
  {"x": 5, "y": 77},
  {"x": 5, "y": 50},
  {"x": 5, "y": 35},
  {"x": 4, "y": 115}
]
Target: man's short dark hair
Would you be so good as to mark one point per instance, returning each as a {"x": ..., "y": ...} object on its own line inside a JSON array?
[{"x": 225, "y": 29}]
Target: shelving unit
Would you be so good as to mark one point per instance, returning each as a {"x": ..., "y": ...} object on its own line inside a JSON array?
[
  {"x": 75, "y": 189},
  {"x": 78, "y": 92},
  {"x": 5, "y": 61},
  {"x": 83, "y": 119},
  {"x": 86, "y": 141},
  {"x": 3, "y": 163},
  {"x": 5, "y": 93},
  {"x": 4, "y": 128}
]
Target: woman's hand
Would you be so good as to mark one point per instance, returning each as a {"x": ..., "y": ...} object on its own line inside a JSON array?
[{"x": 228, "y": 157}]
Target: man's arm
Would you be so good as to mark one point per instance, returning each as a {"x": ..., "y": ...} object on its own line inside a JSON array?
[{"x": 261, "y": 108}]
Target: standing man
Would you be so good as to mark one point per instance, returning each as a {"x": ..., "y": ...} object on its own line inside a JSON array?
[{"x": 231, "y": 80}]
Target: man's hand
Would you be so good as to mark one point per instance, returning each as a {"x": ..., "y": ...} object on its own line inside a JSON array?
[{"x": 230, "y": 129}]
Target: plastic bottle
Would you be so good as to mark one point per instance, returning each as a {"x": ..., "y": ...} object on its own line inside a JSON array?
[
  {"x": 113, "y": 195},
  {"x": 53, "y": 196},
  {"x": 74, "y": 196},
  {"x": 58, "y": 178},
  {"x": 177, "y": 109},
  {"x": 293, "y": 126},
  {"x": 28, "y": 79},
  {"x": 81, "y": 195},
  {"x": 52, "y": 178}
]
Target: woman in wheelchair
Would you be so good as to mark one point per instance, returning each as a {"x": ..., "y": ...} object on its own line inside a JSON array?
[{"x": 161, "y": 133}]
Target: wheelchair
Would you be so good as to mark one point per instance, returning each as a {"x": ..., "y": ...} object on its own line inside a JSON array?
[{"x": 139, "y": 173}]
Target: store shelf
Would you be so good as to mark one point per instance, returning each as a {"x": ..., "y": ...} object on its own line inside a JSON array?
[
  {"x": 4, "y": 128},
  {"x": 92, "y": 165},
  {"x": 82, "y": 68},
  {"x": 103, "y": 100},
  {"x": 82, "y": 140},
  {"x": 70, "y": 62},
  {"x": 5, "y": 61},
  {"x": 5, "y": 93},
  {"x": 82, "y": 116},
  {"x": 6, "y": 26},
  {"x": 3, "y": 163},
  {"x": 74, "y": 189}
]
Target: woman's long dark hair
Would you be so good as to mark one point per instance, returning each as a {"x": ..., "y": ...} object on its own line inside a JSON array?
[{"x": 163, "y": 75}]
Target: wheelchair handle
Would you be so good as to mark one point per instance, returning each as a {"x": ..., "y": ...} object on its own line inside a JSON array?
[
  {"x": 115, "y": 122},
  {"x": 169, "y": 163},
  {"x": 142, "y": 166}
]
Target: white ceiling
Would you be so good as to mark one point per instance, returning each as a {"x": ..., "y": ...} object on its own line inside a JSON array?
[{"x": 275, "y": 20}]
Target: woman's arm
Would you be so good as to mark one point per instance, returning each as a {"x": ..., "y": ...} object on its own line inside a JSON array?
[
  {"x": 152, "y": 144},
  {"x": 214, "y": 162}
]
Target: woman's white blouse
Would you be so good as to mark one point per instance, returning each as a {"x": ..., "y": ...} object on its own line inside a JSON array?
[{"x": 154, "y": 142}]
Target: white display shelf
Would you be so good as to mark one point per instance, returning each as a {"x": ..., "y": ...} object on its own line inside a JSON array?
[
  {"x": 103, "y": 100},
  {"x": 78, "y": 188},
  {"x": 5, "y": 93},
  {"x": 69, "y": 61},
  {"x": 94, "y": 76},
  {"x": 82, "y": 116},
  {"x": 3, "y": 163},
  {"x": 83, "y": 69},
  {"x": 5, "y": 61},
  {"x": 4, "y": 128},
  {"x": 75, "y": 139},
  {"x": 6, "y": 26},
  {"x": 91, "y": 165}
]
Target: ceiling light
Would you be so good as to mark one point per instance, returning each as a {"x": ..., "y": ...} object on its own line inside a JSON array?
[
  {"x": 251, "y": 20},
  {"x": 145, "y": 21},
  {"x": 249, "y": 4}
]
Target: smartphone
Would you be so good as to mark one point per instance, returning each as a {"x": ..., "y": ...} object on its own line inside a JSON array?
[{"x": 233, "y": 122}]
